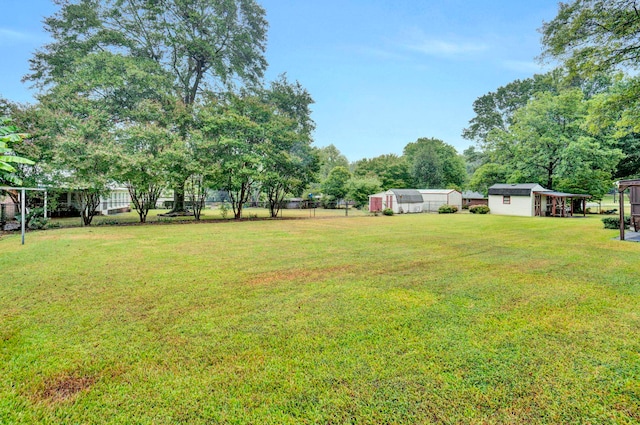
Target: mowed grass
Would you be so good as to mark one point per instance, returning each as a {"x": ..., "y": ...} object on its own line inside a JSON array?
[
  {"x": 208, "y": 214},
  {"x": 368, "y": 320}
]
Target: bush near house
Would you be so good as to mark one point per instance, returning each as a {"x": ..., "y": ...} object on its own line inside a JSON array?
[
  {"x": 387, "y": 211},
  {"x": 447, "y": 209},
  {"x": 479, "y": 209},
  {"x": 614, "y": 222}
]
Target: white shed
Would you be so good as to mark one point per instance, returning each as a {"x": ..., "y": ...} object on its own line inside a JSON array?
[
  {"x": 514, "y": 199},
  {"x": 414, "y": 200},
  {"x": 533, "y": 200},
  {"x": 399, "y": 200},
  {"x": 432, "y": 199}
]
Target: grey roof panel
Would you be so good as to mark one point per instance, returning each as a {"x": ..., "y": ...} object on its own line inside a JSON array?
[
  {"x": 521, "y": 189},
  {"x": 468, "y": 194},
  {"x": 410, "y": 196}
]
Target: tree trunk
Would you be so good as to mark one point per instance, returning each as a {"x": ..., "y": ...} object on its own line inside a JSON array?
[{"x": 178, "y": 200}]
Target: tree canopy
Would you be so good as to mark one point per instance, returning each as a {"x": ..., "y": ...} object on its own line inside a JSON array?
[
  {"x": 592, "y": 36},
  {"x": 9, "y": 135},
  {"x": 435, "y": 164}
]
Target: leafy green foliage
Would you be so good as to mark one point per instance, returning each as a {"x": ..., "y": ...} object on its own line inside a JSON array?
[
  {"x": 479, "y": 209},
  {"x": 592, "y": 36},
  {"x": 447, "y": 209},
  {"x": 387, "y": 211},
  {"x": 494, "y": 110},
  {"x": 335, "y": 186},
  {"x": 290, "y": 163},
  {"x": 391, "y": 170},
  {"x": 487, "y": 175},
  {"x": 435, "y": 164},
  {"x": 10, "y": 135},
  {"x": 614, "y": 222},
  {"x": 359, "y": 189},
  {"x": 330, "y": 158},
  {"x": 548, "y": 143}
]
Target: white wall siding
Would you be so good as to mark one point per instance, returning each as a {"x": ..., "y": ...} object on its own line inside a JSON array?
[{"x": 520, "y": 205}]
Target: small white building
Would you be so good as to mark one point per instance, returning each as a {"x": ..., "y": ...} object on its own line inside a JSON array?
[
  {"x": 434, "y": 198},
  {"x": 414, "y": 200},
  {"x": 531, "y": 200},
  {"x": 117, "y": 200}
]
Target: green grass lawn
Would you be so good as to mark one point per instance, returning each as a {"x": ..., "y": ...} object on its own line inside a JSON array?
[
  {"x": 408, "y": 319},
  {"x": 208, "y": 214}
]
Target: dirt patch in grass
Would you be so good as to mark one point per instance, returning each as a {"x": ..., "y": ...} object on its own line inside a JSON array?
[
  {"x": 63, "y": 388},
  {"x": 291, "y": 275}
]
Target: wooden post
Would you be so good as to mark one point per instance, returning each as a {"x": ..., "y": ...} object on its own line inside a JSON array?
[
  {"x": 23, "y": 208},
  {"x": 621, "y": 207}
]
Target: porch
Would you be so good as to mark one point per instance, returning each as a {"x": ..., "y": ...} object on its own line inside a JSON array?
[{"x": 559, "y": 204}]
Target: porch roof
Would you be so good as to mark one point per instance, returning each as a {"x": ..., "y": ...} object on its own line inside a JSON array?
[{"x": 562, "y": 194}]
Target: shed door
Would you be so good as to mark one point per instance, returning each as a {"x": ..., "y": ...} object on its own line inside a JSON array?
[
  {"x": 390, "y": 201},
  {"x": 634, "y": 196},
  {"x": 375, "y": 204}
]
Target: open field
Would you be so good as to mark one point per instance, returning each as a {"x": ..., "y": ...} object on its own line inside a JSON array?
[{"x": 367, "y": 320}]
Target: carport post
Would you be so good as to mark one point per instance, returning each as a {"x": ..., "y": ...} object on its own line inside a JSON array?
[
  {"x": 621, "y": 206},
  {"x": 22, "y": 212}
]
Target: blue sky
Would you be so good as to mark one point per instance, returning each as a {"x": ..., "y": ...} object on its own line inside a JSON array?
[{"x": 382, "y": 72}]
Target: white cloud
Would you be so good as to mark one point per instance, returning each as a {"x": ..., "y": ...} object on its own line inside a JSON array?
[
  {"x": 379, "y": 53},
  {"x": 530, "y": 67},
  {"x": 11, "y": 36},
  {"x": 452, "y": 46},
  {"x": 447, "y": 48}
]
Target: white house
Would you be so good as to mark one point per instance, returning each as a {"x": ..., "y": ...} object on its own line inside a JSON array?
[
  {"x": 531, "y": 199},
  {"x": 414, "y": 200},
  {"x": 117, "y": 200}
]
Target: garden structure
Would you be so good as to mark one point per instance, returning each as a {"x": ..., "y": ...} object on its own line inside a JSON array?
[
  {"x": 634, "y": 199},
  {"x": 414, "y": 200},
  {"x": 533, "y": 200}
]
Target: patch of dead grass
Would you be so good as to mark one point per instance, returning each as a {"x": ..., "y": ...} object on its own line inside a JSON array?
[{"x": 64, "y": 388}]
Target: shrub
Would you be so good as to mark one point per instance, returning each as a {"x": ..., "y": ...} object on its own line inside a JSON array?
[
  {"x": 35, "y": 215},
  {"x": 224, "y": 209},
  {"x": 447, "y": 209},
  {"x": 479, "y": 209},
  {"x": 38, "y": 223},
  {"x": 614, "y": 222},
  {"x": 387, "y": 211}
]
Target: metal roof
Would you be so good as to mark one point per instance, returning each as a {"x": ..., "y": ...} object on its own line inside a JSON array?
[
  {"x": 520, "y": 189},
  {"x": 409, "y": 196},
  {"x": 562, "y": 194},
  {"x": 468, "y": 194},
  {"x": 437, "y": 191}
]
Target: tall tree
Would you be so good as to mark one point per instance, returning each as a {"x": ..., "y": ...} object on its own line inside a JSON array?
[
  {"x": 359, "y": 189},
  {"x": 335, "y": 186},
  {"x": 236, "y": 131},
  {"x": 435, "y": 163},
  {"x": 83, "y": 152},
  {"x": 495, "y": 110},
  {"x": 189, "y": 46},
  {"x": 487, "y": 175},
  {"x": 331, "y": 157},
  {"x": 392, "y": 171},
  {"x": 290, "y": 163},
  {"x": 548, "y": 143},
  {"x": 593, "y": 36}
]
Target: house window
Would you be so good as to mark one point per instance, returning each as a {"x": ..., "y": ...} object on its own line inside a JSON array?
[{"x": 506, "y": 199}]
